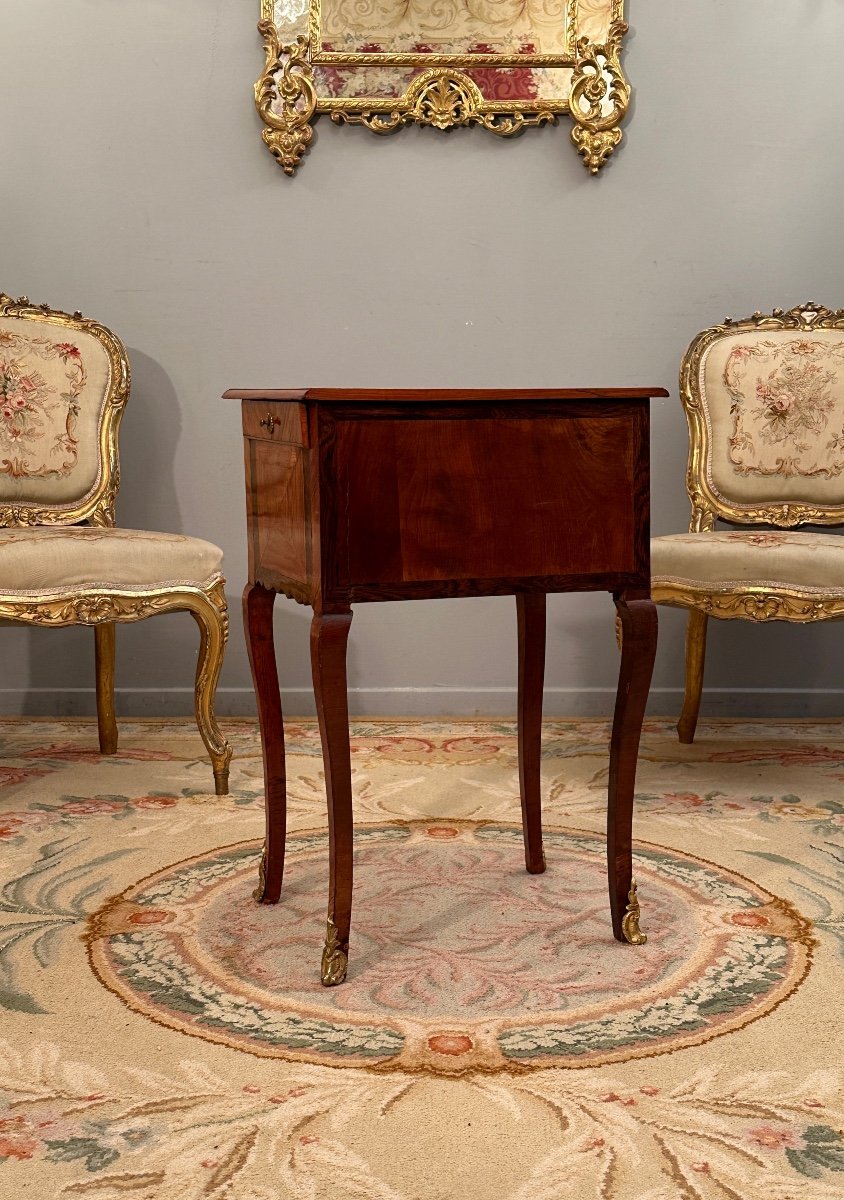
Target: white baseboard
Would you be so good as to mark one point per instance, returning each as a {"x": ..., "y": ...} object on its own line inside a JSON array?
[{"x": 428, "y": 702}]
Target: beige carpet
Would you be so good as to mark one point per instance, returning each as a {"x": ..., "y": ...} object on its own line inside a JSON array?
[{"x": 164, "y": 1038}]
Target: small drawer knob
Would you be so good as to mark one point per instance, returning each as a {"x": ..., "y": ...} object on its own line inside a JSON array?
[{"x": 269, "y": 422}]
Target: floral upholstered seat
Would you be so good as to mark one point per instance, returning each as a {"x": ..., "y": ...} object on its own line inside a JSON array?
[
  {"x": 764, "y": 398},
  {"x": 64, "y": 382}
]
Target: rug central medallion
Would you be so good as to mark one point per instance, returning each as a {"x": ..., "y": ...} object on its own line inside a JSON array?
[{"x": 461, "y": 962}]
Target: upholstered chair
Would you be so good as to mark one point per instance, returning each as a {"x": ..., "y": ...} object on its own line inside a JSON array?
[
  {"x": 64, "y": 381},
  {"x": 764, "y": 398}
]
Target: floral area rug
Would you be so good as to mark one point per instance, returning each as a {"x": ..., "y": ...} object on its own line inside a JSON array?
[{"x": 163, "y": 1037}]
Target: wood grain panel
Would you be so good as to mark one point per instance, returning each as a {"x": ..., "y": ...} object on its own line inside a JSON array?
[
  {"x": 478, "y": 498},
  {"x": 276, "y": 512}
]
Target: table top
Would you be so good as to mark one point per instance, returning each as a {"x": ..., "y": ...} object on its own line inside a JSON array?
[{"x": 441, "y": 395}]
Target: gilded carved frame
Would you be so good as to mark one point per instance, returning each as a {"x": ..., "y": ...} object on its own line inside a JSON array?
[
  {"x": 442, "y": 89},
  {"x": 707, "y": 504},
  {"x": 97, "y": 507},
  {"x": 742, "y": 601}
]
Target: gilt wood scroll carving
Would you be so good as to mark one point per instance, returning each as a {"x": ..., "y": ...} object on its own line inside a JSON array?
[{"x": 505, "y": 65}]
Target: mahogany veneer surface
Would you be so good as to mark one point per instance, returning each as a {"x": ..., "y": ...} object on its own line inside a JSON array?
[{"x": 366, "y": 495}]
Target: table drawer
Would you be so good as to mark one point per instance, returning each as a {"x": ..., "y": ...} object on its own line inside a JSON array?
[{"x": 275, "y": 421}]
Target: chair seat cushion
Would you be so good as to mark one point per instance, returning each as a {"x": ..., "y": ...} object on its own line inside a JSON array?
[
  {"x": 777, "y": 558},
  {"x": 54, "y": 558}
]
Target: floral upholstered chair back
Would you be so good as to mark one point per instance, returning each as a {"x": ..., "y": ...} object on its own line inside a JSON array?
[
  {"x": 64, "y": 381},
  {"x": 765, "y": 402}
]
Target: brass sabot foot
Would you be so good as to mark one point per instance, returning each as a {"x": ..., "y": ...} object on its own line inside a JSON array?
[
  {"x": 261, "y": 889},
  {"x": 335, "y": 960},
  {"x": 630, "y": 922}
]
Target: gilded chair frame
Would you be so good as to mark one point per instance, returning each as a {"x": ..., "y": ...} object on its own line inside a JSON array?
[
  {"x": 755, "y": 602},
  {"x": 102, "y": 607}
]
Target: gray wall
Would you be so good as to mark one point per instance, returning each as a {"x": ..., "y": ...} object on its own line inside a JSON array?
[{"x": 134, "y": 185}]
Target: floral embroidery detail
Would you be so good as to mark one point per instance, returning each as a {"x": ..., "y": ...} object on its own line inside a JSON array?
[
  {"x": 16, "y": 1138},
  {"x": 770, "y": 1138},
  {"x": 66, "y": 811},
  {"x": 13, "y": 775},
  {"x": 85, "y": 535},
  {"x": 32, "y": 408},
  {"x": 761, "y": 539},
  {"x": 783, "y": 397}
]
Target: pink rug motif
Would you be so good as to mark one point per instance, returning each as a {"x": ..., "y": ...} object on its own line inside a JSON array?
[{"x": 460, "y": 961}]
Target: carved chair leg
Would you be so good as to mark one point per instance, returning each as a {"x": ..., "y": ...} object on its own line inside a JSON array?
[
  {"x": 695, "y": 656},
  {"x": 104, "y": 651},
  {"x": 212, "y": 619}
]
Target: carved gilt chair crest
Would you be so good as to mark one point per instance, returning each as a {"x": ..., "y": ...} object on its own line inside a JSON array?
[
  {"x": 764, "y": 400},
  {"x": 64, "y": 382}
]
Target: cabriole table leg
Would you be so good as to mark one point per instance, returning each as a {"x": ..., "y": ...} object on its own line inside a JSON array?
[
  {"x": 530, "y": 609},
  {"x": 638, "y": 617},
  {"x": 329, "y": 637},
  {"x": 258, "y": 623}
]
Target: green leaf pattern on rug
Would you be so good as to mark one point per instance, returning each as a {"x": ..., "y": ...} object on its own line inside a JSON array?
[
  {"x": 280, "y": 1131},
  {"x": 723, "y": 988},
  {"x": 823, "y": 1149},
  {"x": 41, "y": 905}
]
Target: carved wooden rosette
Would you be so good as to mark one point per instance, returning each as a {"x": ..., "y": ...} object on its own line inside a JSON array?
[{"x": 443, "y": 97}]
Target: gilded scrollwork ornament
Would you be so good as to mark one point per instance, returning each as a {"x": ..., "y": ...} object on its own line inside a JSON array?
[
  {"x": 384, "y": 65},
  {"x": 335, "y": 959},
  {"x": 95, "y": 606},
  {"x": 630, "y": 922},
  {"x": 85, "y": 609},
  {"x": 285, "y": 97},
  {"x": 445, "y": 100},
  {"x": 599, "y": 98},
  {"x": 750, "y": 603}
]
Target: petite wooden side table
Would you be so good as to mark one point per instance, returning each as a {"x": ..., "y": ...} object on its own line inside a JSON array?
[{"x": 356, "y": 495}]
